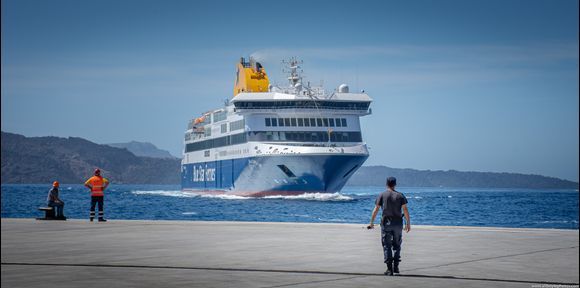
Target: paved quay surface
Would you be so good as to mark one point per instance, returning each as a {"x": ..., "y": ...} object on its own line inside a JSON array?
[{"x": 77, "y": 253}]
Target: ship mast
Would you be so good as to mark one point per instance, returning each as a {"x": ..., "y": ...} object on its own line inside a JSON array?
[{"x": 292, "y": 66}]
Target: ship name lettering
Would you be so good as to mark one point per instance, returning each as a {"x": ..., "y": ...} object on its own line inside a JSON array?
[{"x": 201, "y": 174}]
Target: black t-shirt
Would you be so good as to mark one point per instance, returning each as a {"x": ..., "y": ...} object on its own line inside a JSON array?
[{"x": 391, "y": 202}]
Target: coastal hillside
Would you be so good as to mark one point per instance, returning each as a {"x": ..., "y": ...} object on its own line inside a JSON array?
[
  {"x": 72, "y": 160},
  {"x": 376, "y": 175},
  {"x": 144, "y": 149}
]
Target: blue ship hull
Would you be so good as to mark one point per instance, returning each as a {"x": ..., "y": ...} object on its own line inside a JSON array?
[{"x": 272, "y": 174}]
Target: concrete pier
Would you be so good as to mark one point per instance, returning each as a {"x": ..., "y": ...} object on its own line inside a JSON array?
[{"x": 77, "y": 253}]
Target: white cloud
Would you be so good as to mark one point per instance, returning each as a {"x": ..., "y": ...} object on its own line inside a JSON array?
[
  {"x": 512, "y": 53},
  {"x": 405, "y": 66}
]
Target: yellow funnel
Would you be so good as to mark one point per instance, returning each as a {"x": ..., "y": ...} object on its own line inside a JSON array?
[{"x": 250, "y": 77}]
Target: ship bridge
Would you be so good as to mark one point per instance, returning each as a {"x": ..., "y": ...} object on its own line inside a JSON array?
[{"x": 345, "y": 103}]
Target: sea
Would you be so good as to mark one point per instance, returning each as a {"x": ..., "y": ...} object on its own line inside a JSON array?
[{"x": 517, "y": 208}]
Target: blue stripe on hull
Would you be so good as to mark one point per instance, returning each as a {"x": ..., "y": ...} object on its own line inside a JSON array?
[{"x": 256, "y": 175}]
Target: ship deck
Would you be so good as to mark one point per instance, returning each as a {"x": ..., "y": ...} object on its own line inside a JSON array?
[{"x": 76, "y": 253}]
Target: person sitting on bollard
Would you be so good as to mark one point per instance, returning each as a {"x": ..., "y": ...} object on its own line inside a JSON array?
[{"x": 52, "y": 200}]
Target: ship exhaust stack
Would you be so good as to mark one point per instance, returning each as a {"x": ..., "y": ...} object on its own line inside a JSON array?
[{"x": 250, "y": 77}]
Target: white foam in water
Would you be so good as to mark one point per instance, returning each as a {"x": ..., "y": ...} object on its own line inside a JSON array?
[
  {"x": 189, "y": 213},
  {"x": 224, "y": 196},
  {"x": 176, "y": 193},
  {"x": 558, "y": 221},
  {"x": 313, "y": 197},
  {"x": 307, "y": 196},
  {"x": 189, "y": 194},
  {"x": 418, "y": 197}
]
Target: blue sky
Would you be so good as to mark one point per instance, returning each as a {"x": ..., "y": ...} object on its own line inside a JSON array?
[{"x": 464, "y": 85}]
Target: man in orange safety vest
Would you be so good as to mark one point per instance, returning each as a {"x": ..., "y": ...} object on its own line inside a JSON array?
[{"x": 97, "y": 184}]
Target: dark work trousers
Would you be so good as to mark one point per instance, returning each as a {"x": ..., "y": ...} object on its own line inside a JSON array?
[
  {"x": 59, "y": 208},
  {"x": 94, "y": 201},
  {"x": 392, "y": 238}
]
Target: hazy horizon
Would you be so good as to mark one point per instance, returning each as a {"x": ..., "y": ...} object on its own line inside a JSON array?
[{"x": 488, "y": 86}]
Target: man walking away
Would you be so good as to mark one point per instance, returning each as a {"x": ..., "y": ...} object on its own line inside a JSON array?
[
  {"x": 97, "y": 184},
  {"x": 392, "y": 202},
  {"x": 52, "y": 200}
]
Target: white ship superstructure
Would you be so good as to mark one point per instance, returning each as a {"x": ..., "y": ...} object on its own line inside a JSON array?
[{"x": 276, "y": 140}]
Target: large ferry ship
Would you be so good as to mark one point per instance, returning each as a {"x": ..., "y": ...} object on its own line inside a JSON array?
[{"x": 274, "y": 140}]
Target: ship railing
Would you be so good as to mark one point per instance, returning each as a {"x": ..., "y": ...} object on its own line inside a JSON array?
[
  {"x": 195, "y": 137},
  {"x": 367, "y": 111}
]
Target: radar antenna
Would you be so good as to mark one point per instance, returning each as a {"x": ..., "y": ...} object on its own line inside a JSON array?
[{"x": 292, "y": 65}]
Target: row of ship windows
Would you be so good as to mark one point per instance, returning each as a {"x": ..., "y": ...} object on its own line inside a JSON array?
[
  {"x": 305, "y": 122},
  {"x": 297, "y": 136},
  {"x": 217, "y": 142},
  {"x": 305, "y": 136}
]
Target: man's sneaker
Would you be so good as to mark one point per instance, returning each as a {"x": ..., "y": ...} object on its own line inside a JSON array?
[
  {"x": 389, "y": 271},
  {"x": 102, "y": 220},
  {"x": 396, "y": 269}
]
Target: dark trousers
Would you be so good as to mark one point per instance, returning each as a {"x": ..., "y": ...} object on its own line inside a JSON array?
[
  {"x": 392, "y": 238},
  {"x": 94, "y": 201},
  {"x": 58, "y": 208}
]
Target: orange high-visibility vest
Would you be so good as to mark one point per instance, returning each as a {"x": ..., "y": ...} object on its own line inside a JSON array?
[{"x": 97, "y": 184}]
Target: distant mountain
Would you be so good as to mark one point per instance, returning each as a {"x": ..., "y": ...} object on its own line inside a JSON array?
[
  {"x": 72, "y": 160},
  {"x": 376, "y": 175},
  {"x": 144, "y": 149}
]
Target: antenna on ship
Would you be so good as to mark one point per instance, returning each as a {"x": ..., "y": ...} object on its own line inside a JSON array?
[
  {"x": 292, "y": 66},
  {"x": 295, "y": 79}
]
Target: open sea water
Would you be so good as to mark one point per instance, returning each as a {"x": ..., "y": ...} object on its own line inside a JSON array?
[{"x": 519, "y": 208}]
